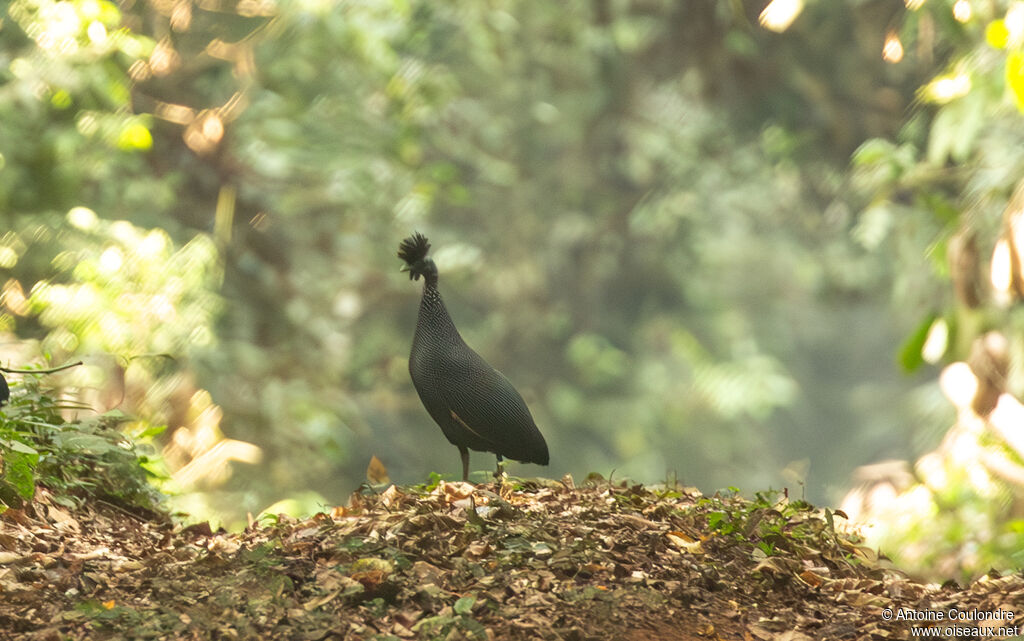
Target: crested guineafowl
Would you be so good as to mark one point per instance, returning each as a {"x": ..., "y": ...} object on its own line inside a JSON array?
[{"x": 475, "y": 405}]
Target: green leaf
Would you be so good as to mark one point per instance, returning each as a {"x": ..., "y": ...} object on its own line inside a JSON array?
[
  {"x": 18, "y": 446},
  {"x": 19, "y": 471},
  {"x": 910, "y": 356},
  {"x": 464, "y": 605},
  {"x": 85, "y": 443},
  {"x": 873, "y": 151},
  {"x": 433, "y": 624},
  {"x": 149, "y": 431},
  {"x": 714, "y": 518},
  {"x": 10, "y": 496},
  {"x": 435, "y": 480}
]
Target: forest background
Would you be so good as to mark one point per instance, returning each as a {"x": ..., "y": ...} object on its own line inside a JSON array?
[{"x": 719, "y": 243}]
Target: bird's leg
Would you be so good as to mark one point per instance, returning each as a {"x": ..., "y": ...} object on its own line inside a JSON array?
[
  {"x": 498, "y": 473},
  {"x": 464, "y": 452}
]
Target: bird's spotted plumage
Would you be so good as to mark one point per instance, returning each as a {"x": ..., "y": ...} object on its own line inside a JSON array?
[{"x": 474, "y": 404}]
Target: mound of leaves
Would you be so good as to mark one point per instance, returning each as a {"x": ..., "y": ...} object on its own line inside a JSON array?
[{"x": 524, "y": 560}]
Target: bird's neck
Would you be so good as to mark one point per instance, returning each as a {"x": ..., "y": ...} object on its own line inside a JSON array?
[{"x": 433, "y": 311}]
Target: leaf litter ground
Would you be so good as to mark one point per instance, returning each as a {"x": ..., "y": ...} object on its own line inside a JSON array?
[{"x": 519, "y": 560}]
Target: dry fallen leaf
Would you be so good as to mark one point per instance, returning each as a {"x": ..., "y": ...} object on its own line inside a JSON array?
[
  {"x": 454, "y": 491},
  {"x": 316, "y": 603},
  {"x": 390, "y": 496},
  {"x": 10, "y": 557},
  {"x": 810, "y": 578},
  {"x": 685, "y": 542},
  {"x": 62, "y": 519},
  {"x": 376, "y": 473}
]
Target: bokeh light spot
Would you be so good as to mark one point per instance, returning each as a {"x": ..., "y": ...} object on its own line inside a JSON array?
[
  {"x": 780, "y": 14},
  {"x": 134, "y": 136},
  {"x": 83, "y": 218},
  {"x": 892, "y": 50}
]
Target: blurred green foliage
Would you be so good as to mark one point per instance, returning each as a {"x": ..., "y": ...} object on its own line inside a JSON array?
[
  {"x": 945, "y": 197},
  {"x": 639, "y": 211},
  {"x": 642, "y": 212},
  {"x": 617, "y": 230}
]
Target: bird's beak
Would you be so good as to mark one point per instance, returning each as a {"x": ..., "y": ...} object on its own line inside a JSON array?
[{"x": 404, "y": 268}]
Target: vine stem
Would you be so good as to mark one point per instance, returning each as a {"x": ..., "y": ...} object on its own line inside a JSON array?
[{"x": 40, "y": 371}]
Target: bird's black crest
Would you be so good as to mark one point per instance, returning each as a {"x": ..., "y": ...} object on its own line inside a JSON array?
[{"x": 414, "y": 249}]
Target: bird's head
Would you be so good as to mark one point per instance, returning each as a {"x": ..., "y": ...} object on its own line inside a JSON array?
[{"x": 413, "y": 251}]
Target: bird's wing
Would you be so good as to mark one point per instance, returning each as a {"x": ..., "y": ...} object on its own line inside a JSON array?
[{"x": 484, "y": 402}]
